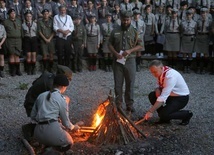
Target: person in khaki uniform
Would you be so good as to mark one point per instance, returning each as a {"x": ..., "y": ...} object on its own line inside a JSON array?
[
  {"x": 106, "y": 29},
  {"x": 49, "y": 107},
  {"x": 78, "y": 42},
  {"x": 92, "y": 41},
  {"x": 30, "y": 43},
  {"x": 3, "y": 36},
  {"x": 124, "y": 42},
  {"x": 13, "y": 27},
  {"x": 46, "y": 32},
  {"x": 188, "y": 31},
  {"x": 140, "y": 27}
]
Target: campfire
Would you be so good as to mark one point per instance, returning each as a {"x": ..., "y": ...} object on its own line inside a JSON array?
[{"x": 111, "y": 125}]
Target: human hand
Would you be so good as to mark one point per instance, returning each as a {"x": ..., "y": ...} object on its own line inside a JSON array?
[
  {"x": 67, "y": 99},
  {"x": 119, "y": 56},
  {"x": 148, "y": 115},
  {"x": 76, "y": 127},
  {"x": 80, "y": 123},
  {"x": 126, "y": 53}
]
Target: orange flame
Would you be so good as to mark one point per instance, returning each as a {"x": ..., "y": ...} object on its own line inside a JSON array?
[{"x": 100, "y": 113}]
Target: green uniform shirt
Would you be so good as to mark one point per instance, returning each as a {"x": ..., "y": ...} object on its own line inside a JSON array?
[
  {"x": 79, "y": 33},
  {"x": 124, "y": 40},
  {"x": 45, "y": 27},
  {"x": 13, "y": 28}
]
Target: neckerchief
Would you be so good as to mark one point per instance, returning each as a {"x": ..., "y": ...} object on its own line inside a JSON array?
[
  {"x": 62, "y": 21},
  {"x": 162, "y": 77}
]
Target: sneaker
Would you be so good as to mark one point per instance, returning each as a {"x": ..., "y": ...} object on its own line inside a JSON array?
[
  {"x": 187, "y": 119},
  {"x": 149, "y": 55},
  {"x": 161, "y": 55}
]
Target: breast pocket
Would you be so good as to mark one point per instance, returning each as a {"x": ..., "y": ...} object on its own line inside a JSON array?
[{"x": 117, "y": 39}]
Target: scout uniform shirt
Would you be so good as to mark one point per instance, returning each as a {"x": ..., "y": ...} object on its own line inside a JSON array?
[
  {"x": 172, "y": 25},
  {"x": 126, "y": 7},
  {"x": 13, "y": 28},
  {"x": 158, "y": 3},
  {"x": 14, "y": 35},
  {"x": 73, "y": 10},
  {"x": 93, "y": 30},
  {"x": 188, "y": 27},
  {"x": 201, "y": 3},
  {"x": 40, "y": 7},
  {"x": 106, "y": 31},
  {"x": 30, "y": 30},
  {"x": 46, "y": 28},
  {"x": 124, "y": 40},
  {"x": 140, "y": 26},
  {"x": 159, "y": 23},
  {"x": 79, "y": 33},
  {"x": 3, "y": 33},
  {"x": 203, "y": 26},
  {"x": 173, "y": 3},
  {"x": 3, "y": 14}
]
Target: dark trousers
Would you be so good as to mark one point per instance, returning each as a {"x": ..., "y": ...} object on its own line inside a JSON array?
[
  {"x": 125, "y": 72},
  {"x": 172, "y": 109},
  {"x": 78, "y": 52},
  {"x": 63, "y": 50}
]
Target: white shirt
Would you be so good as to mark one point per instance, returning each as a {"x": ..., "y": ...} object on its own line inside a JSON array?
[
  {"x": 173, "y": 85},
  {"x": 63, "y": 23}
]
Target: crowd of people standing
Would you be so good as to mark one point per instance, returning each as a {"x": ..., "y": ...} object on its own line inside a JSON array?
[{"x": 71, "y": 28}]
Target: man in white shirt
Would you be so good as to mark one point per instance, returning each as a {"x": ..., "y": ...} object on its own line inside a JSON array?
[
  {"x": 171, "y": 95},
  {"x": 63, "y": 26}
]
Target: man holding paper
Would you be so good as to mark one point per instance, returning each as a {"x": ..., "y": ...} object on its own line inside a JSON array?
[{"x": 124, "y": 43}]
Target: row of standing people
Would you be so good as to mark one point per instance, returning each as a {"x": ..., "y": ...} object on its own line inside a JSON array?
[{"x": 147, "y": 26}]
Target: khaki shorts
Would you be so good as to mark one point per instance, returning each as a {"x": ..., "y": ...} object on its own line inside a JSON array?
[{"x": 47, "y": 48}]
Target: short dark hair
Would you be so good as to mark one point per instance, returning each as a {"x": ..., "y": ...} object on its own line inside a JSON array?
[{"x": 155, "y": 63}]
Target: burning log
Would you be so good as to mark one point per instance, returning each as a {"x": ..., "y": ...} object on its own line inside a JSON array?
[{"x": 114, "y": 126}]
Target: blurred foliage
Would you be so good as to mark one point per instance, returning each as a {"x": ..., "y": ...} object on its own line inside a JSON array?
[{"x": 23, "y": 86}]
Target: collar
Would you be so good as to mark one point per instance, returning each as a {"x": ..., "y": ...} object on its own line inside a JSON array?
[
  {"x": 30, "y": 8},
  {"x": 16, "y": 3},
  {"x": 2, "y": 10}
]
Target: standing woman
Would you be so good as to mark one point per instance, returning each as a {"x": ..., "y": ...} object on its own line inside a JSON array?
[
  {"x": 106, "y": 31},
  {"x": 13, "y": 27},
  {"x": 3, "y": 36},
  {"x": 46, "y": 33},
  {"x": 149, "y": 19},
  {"x": 92, "y": 41},
  {"x": 188, "y": 31},
  {"x": 202, "y": 41},
  {"x": 140, "y": 26},
  {"x": 172, "y": 43},
  {"x": 30, "y": 42}
]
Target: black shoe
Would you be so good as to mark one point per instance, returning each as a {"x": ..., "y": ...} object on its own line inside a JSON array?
[
  {"x": 187, "y": 119},
  {"x": 2, "y": 74},
  {"x": 138, "y": 69},
  {"x": 163, "y": 122},
  {"x": 18, "y": 73}
]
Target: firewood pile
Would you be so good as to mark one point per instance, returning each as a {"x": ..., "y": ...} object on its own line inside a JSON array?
[{"x": 115, "y": 127}]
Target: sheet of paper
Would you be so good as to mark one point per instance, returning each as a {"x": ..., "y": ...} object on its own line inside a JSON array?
[{"x": 123, "y": 60}]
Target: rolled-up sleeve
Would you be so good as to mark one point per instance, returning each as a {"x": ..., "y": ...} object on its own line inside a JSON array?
[{"x": 64, "y": 115}]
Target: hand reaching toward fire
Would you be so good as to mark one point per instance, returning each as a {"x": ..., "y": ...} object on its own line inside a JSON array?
[{"x": 148, "y": 115}]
